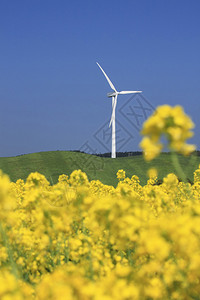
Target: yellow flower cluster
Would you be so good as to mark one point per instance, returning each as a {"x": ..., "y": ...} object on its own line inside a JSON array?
[
  {"x": 85, "y": 240},
  {"x": 121, "y": 174},
  {"x": 171, "y": 122}
]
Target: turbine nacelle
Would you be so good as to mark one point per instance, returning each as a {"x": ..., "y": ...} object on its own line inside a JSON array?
[{"x": 113, "y": 94}]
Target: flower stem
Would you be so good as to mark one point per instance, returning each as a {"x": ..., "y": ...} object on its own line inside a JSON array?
[
  {"x": 9, "y": 251},
  {"x": 178, "y": 167}
]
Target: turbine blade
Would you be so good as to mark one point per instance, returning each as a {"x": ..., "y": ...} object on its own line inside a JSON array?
[
  {"x": 109, "y": 81},
  {"x": 113, "y": 110},
  {"x": 129, "y": 92}
]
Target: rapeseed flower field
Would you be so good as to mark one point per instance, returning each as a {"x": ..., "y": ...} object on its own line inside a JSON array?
[{"x": 83, "y": 240}]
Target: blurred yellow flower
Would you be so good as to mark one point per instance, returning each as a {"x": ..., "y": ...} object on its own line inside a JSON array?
[{"x": 171, "y": 122}]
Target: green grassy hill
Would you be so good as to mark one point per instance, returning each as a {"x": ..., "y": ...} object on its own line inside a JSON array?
[{"x": 54, "y": 163}]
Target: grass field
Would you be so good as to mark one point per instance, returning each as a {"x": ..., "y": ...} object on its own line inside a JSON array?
[{"x": 54, "y": 163}]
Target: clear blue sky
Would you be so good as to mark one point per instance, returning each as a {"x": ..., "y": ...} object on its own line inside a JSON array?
[{"x": 53, "y": 95}]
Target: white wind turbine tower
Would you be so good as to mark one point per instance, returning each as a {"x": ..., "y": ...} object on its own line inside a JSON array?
[{"x": 114, "y": 95}]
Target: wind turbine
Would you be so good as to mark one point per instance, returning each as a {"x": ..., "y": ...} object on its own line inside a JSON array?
[{"x": 114, "y": 95}]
